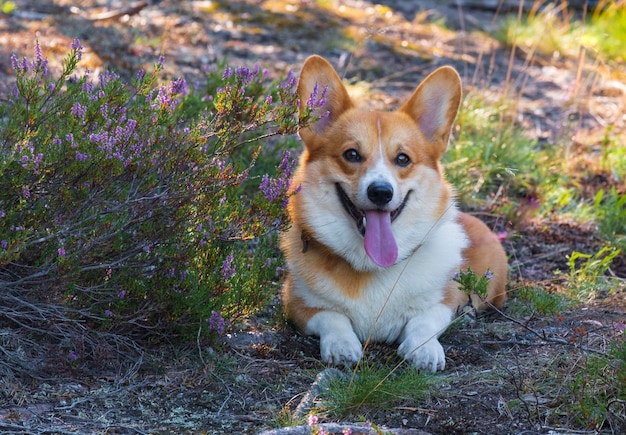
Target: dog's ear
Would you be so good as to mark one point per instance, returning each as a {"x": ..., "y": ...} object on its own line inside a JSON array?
[
  {"x": 321, "y": 90},
  {"x": 435, "y": 104}
]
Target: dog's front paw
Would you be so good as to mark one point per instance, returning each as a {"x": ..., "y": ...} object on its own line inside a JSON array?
[
  {"x": 341, "y": 349},
  {"x": 423, "y": 355}
]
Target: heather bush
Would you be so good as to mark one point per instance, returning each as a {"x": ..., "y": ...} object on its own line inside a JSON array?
[{"x": 140, "y": 208}]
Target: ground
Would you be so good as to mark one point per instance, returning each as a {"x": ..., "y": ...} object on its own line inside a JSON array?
[{"x": 505, "y": 373}]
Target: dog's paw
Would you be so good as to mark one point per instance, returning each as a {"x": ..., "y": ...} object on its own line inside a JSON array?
[
  {"x": 423, "y": 355},
  {"x": 341, "y": 349}
]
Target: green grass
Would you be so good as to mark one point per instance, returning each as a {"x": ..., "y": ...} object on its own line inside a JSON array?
[
  {"x": 610, "y": 208},
  {"x": 534, "y": 299},
  {"x": 556, "y": 32},
  {"x": 599, "y": 388},
  {"x": 371, "y": 386},
  {"x": 613, "y": 159},
  {"x": 588, "y": 273},
  {"x": 494, "y": 165},
  {"x": 490, "y": 156}
]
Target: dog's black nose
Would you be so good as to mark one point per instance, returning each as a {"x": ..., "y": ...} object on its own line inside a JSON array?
[{"x": 380, "y": 193}]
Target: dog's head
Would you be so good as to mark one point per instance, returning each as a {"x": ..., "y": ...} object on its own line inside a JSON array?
[{"x": 380, "y": 168}]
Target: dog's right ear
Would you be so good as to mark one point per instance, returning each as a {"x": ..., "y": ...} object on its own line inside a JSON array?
[{"x": 321, "y": 90}]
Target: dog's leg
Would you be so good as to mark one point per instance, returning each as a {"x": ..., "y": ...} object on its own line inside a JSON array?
[
  {"x": 339, "y": 345},
  {"x": 418, "y": 342}
]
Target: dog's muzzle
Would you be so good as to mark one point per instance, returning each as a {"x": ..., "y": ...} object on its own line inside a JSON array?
[{"x": 359, "y": 215}]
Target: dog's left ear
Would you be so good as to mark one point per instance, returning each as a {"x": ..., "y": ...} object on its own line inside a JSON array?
[
  {"x": 435, "y": 104},
  {"x": 323, "y": 91}
]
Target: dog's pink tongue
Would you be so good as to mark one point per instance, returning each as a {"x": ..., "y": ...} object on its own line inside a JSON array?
[{"x": 380, "y": 244}]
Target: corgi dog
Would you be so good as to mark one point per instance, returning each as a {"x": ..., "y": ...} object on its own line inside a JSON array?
[{"x": 375, "y": 237}]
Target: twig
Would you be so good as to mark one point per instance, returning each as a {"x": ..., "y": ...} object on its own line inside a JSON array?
[
  {"x": 109, "y": 15},
  {"x": 127, "y": 428},
  {"x": 542, "y": 335},
  {"x": 568, "y": 430},
  {"x": 198, "y": 344},
  {"x": 230, "y": 393},
  {"x": 75, "y": 403}
]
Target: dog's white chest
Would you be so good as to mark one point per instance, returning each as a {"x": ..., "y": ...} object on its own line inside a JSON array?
[{"x": 396, "y": 295}]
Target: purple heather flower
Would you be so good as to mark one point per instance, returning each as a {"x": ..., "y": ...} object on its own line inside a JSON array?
[
  {"x": 489, "y": 275},
  {"x": 15, "y": 63},
  {"x": 179, "y": 86},
  {"x": 71, "y": 356},
  {"x": 61, "y": 252},
  {"x": 4, "y": 244},
  {"x": 87, "y": 86},
  {"x": 78, "y": 110},
  {"x": 228, "y": 71},
  {"x": 315, "y": 100},
  {"x": 244, "y": 74},
  {"x": 25, "y": 65},
  {"x": 290, "y": 82},
  {"x": 121, "y": 294},
  {"x": 38, "y": 160},
  {"x": 38, "y": 54},
  {"x": 217, "y": 323},
  {"x": 81, "y": 156},
  {"x": 70, "y": 138},
  {"x": 40, "y": 60},
  {"x": 287, "y": 164},
  {"x": 164, "y": 99},
  {"x": 76, "y": 45},
  {"x": 228, "y": 269},
  {"x": 267, "y": 188},
  {"x": 273, "y": 188},
  {"x": 108, "y": 313}
]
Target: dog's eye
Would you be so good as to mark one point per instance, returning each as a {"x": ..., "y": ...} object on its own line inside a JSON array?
[
  {"x": 403, "y": 160},
  {"x": 352, "y": 155}
]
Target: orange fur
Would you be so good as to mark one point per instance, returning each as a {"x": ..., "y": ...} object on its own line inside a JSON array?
[{"x": 485, "y": 252}]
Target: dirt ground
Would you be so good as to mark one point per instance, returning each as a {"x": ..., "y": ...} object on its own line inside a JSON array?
[{"x": 500, "y": 378}]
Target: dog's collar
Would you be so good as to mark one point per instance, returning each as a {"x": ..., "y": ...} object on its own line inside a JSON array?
[{"x": 306, "y": 238}]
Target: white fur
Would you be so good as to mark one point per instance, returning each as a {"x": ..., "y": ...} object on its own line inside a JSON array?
[
  {"x": 402, "y": 303},
  {"x": 338, "y": 342},
  {"x": 418, "y": 342}
]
